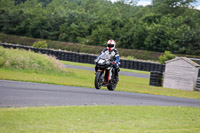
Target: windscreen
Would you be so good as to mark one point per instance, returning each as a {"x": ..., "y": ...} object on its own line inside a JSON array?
[{"x": 105, "y": 56}]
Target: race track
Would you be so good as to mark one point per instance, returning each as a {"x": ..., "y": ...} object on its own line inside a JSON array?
[{"x": 23, "y": 94}]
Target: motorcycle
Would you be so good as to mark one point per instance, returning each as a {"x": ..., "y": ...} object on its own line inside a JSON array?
[{"x": 105, "y": 72}]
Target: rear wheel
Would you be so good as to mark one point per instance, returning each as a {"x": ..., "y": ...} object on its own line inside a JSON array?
[{"x": 98, "y": 81}]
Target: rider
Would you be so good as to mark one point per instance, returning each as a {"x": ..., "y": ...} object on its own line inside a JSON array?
[{"x": 111, "y": 44}]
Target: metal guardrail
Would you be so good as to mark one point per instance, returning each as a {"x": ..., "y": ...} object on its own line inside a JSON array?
[{"x": 88, "y": 58}]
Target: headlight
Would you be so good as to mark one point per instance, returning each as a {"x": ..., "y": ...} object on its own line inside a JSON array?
[{"x": 101, "y": 61}]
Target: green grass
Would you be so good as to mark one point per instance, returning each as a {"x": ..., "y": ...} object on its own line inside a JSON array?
[
  {"x": 29, "y": 61},
  {"x": 92, "y": 65},
  {"x": 92, "y": 119}
]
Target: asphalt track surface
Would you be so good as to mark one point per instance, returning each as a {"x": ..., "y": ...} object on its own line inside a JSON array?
[
  {"x": 139, "y": 75},
  {"x": 26, "y": 94}
]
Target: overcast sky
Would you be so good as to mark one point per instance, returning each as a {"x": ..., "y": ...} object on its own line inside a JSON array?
[{"x": 148, "y": 2}]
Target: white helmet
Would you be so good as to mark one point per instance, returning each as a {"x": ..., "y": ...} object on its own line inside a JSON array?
[{"x": 111, "y": 44}]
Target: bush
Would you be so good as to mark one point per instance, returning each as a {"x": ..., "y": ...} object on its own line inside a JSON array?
[
  {"x": 40, "y": 44},
  {"x": 130, "y": 58},
  {"x": 167, "y": 56}
]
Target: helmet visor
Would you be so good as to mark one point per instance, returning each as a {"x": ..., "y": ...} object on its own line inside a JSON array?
[{"x": 110, "y": 45}]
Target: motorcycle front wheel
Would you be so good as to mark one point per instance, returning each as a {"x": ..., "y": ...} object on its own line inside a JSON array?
[{"x": 98, "y": 80}]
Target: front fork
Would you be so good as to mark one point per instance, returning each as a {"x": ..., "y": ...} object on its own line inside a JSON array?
[
  {"x": 102, "y": 76},
  {"x": 105, "y": 76}
]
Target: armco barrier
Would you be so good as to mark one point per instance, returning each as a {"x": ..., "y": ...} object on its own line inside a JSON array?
[{"x": 88, "y": 58}]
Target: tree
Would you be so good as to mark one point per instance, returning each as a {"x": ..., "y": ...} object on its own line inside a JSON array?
[
  {"x": 166, "y": 25},
  {"x": 175, "y": 7},
  {"x": 19, "y": 1},
  {"x": 157, "y": 38}
]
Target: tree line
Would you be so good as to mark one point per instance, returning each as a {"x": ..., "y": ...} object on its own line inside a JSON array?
[{"x": 172, "y": 25}]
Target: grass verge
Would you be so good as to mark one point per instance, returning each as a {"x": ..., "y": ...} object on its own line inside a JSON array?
[
  {"x": 29, "y": 61},
  {"x": 137, "y": 119},
  {"x": 83, "y": 78},
  {"x": 92, "y": 66}
]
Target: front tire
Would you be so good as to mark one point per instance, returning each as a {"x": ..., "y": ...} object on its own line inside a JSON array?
[{"x": 98, "y": 81}]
